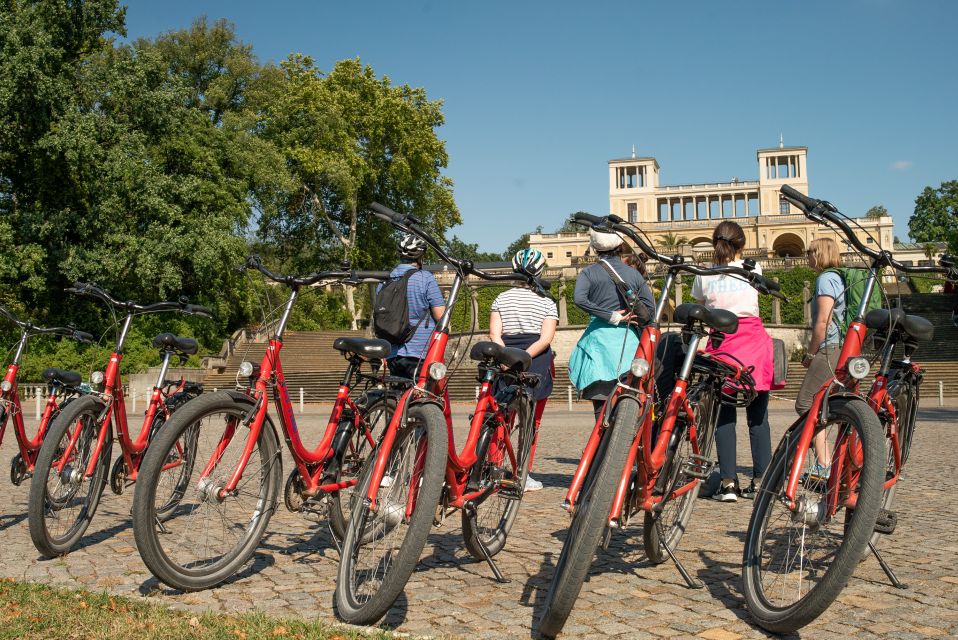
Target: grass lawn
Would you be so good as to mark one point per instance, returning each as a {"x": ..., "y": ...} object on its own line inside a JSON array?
[{"x": 30, "y": 610}]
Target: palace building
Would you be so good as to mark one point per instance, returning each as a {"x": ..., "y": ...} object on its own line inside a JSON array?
[{"x": 680, "y": 218}]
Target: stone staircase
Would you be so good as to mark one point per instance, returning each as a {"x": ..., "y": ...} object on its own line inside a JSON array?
[{"x": 310, "y": 362}]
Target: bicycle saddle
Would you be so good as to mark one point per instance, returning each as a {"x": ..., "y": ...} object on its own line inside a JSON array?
[
  {"x": 516, "y": 359},
  {"x": 718, "y": 319},
  {"x": 69, "y": 378},
  {"x": 917, "y": 327},
  {"x": 170, "y": 342},
  {"x": 369, "y": 348}
]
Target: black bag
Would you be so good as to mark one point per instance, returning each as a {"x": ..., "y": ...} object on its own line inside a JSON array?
[{"x": 391, "y": 315}]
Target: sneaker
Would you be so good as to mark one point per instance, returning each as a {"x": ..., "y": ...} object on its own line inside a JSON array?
[
  {"x": 749, "y": 492},
  {"x": 532, "y": 484},
  {"x": 817, "y": 478},
  {"x": 728, "y": 492},
  {"x": 386, "y": 482}
]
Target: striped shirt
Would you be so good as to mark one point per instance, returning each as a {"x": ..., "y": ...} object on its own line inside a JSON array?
[{"x": 522, "y": 311}]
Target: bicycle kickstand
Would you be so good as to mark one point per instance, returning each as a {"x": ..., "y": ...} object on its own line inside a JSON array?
[
  {"x": 339, "y": 547},
  {"x": 471, "y": 511},
  {"x": 689, "y": 580},
  {"x": 898, "y": 584}
]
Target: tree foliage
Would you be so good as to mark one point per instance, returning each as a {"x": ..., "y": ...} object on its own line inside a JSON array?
[
  {"x": 878, "y": 211},
  {"x": 935, "y": 218}
]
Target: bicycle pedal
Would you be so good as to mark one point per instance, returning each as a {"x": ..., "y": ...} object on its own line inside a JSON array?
[
  {"x": 697, "y": 466},
  {"x": 509, "y": 489},
  {"x": 886, "y": 522}
]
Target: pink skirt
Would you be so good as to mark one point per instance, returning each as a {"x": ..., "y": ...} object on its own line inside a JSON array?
[{"x": 753, "y": 346}]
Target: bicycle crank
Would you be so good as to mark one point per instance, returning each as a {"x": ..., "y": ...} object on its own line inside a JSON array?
[
  {"x": 118, "y": 476},
  {"x": 18, "y": 470}
]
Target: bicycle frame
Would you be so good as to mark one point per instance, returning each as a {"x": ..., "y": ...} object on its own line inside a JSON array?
[
  {"x": 309, "y": 463},
  {"x": 10, "y": 406}
]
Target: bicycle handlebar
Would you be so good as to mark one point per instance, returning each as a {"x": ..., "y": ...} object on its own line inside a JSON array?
[
  {"x": 255, "y": 262},
  {"x": 71, "y": 332},
  {"x": 824, "y": 212},
  {"x": 410, "y": 224},
  {"x": 182, "y": 305}
]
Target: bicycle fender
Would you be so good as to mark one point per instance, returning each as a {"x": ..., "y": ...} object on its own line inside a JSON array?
[{"x": 827, "y": 400}]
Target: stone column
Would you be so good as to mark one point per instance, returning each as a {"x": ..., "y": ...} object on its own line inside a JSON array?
[
  {"x": 563, "y": 305},
  {"x": 806, "y": 302}
]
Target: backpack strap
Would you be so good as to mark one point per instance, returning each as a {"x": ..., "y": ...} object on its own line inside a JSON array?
[{"x": 629, "y": 297}]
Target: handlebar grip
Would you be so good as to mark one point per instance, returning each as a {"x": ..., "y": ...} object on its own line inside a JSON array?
[
  {"x": 384, "y": 212},
  {"x": 770, "y": 284},
  {"x": 798, "y": 198},
  {"x": 198, "y": 310},
  {"x": 369, "y": 275},
  {"x": 83, "y": 336},
  {"x": 588, "y": 217},
  {"x": 778, "y": 294}
]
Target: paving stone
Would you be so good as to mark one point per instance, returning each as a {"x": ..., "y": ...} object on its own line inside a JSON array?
[{"x": 452, "y": 595}]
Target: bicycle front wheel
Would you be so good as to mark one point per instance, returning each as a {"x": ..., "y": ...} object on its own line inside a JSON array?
[
  {"x": 492, "y": 519},
  {"x": 670, "y": 524},
  {"x": 382, "y": 547},
  {"x": 63, "y": 498},
  {"x": 591, "y": 517},
  {"x": 208, "y": 534},
  {"x": 796, "y": 562}
]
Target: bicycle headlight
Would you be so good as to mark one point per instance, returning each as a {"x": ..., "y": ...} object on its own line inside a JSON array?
[
  {"x": 858, "y": 367},
  {"x": 640, "y": 367},
  {"x": 96, "y": 377},
  {"x": 437, "y": 371},
  {"x": 245, "y": 369},
  {"x": 5, "y": 386}
]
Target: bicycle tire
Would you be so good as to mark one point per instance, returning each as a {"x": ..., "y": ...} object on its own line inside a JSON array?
[
  {"x": 590, "y": 519},
  {"x": 675, "y": 519},
  {"x": 182, "y": 558},
  {"x": 350, "y": 462},
  {"x": 853, "y": 532},
  {"x": 494, "y": 537},
  {"x": 352, "y": 603},
  {"x": 42, "y": 502}
]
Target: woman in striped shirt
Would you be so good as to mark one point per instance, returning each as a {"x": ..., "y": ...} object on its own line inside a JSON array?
[{"x": 522, "y": 319}]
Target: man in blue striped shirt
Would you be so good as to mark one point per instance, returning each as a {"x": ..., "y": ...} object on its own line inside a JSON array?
[{"x": 426, "y": 306}]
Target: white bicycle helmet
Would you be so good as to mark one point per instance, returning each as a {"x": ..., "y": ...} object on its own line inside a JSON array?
[
  {"x": 529, "y": 261},
  {"x": 411, "y": 246}
]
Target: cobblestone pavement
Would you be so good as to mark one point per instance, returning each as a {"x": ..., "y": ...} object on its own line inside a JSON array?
[{"x": 294, "y": 569}]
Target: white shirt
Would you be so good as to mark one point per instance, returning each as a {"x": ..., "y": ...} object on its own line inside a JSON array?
[
  {"x": 728, "y": 292},
  {"x": 522, "y": 311}
]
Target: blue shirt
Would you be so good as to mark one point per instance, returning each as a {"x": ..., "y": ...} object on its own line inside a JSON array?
[
  {"x": 422, "y": 294},
  {"x": 830, "y": 284}
]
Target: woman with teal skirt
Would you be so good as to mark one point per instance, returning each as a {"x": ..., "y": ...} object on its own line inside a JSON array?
[{"x": 606, "y": 348}]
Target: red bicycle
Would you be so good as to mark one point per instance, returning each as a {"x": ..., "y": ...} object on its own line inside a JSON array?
[
  {"x": 72, "y": 464},
  {"x": 64, "y": 385},
  {"x": 228, "y": 498},
  {"x": 808, "y": 530},
  {"x": 416, "y": 467},
  {"x": 637, "y": 462}
]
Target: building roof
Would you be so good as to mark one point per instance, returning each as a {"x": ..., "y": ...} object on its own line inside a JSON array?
[
  {"x": 783, "y": 149},
  {"x": 918, "y": 246}
]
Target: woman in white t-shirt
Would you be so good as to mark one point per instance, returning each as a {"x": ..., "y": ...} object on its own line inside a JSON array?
[
  {"x": 752, "y": 345},
  {"x": 522, "y": 319}
]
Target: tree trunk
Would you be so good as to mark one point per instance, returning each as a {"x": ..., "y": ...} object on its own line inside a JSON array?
[{"x": 351, "y": 307}]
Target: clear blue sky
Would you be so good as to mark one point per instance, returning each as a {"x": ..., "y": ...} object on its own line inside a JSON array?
[{"x": 539, "y": 96}]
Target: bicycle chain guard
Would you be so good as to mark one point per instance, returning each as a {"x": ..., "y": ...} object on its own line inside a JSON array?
[
  {"x": 18, "y": 470},
  {"x": 118, "y": 476}
]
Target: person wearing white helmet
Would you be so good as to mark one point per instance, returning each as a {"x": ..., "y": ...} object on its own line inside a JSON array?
[
  {"x": 426, "y": 306},
  {"x": 522, "y": 319},
  {"x": 605, "y": 350}
]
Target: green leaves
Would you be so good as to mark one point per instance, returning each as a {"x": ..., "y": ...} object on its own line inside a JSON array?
[{"x": 936, "y": 215}]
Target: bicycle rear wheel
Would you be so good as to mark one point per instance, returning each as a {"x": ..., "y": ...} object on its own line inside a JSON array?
[
  {"x": 591, "y": 517},
  {"x": 797, "y": 562},
  {"x": 205, "y": 537},
  {"x": 348, "y": 466},
  {"x": 670, "y": 524},
  {"x": 62, "y": 502},
  {"x": 382, "y": 547},
  {"x": 493, "y": 518},
  {"x": 906, "y": 407}
]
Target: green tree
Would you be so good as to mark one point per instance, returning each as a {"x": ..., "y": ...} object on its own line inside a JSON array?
[
  {"x": 522, "y": 242},
  {"x": 467, "y": 251},
  {"x": 878, "y": 211},
  {"x": 935, "y": 218},
  {"x": 351, "y": 138}
]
